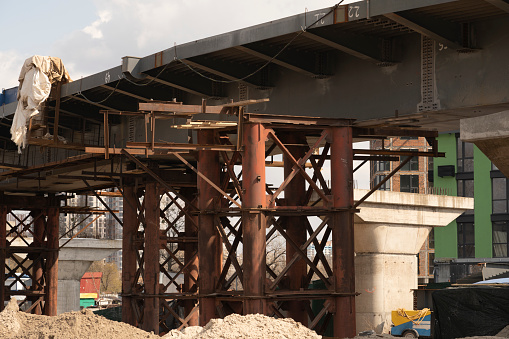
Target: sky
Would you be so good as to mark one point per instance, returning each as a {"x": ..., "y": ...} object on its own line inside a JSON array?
[{"x": 93, "y": 35}]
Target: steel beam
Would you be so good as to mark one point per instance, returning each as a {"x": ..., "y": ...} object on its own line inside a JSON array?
[
  {"x": 190, "y": 248},
  {"x": 182, "y": 88},
  {"x": 215, "y": 71},
  {"x": 343, "y": 231},
  {"x": 447, "y": 33},
  {"x": 254, "y": 220},
  {"x": 210, "y": 250},
  {"x": 278, "y": 62},
  {"x": 151, "y": 263},
  {"x": 3, "y": 252},
  {"x": 129, "y": 94},
  {"x": 295, "y": 195},
  {"x": 38, "y": 277},
  {"x": 365, "y": 48},
  {"x": 129, "y": 252},
  {"x": 502, "y": 4},
  {"x": 52, "y": 222},
  {"x": 76, "y": 97}
]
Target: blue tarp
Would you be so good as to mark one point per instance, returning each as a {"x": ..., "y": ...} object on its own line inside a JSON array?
[{"x": 494, "y": 281}]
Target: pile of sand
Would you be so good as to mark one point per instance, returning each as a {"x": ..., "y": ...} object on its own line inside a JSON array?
[
  {"x": 248, "y": 326},
  {"x": 85, "y": 324},
  {"x": 72, "y": 325}
]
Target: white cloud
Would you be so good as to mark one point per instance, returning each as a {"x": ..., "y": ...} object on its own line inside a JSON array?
[
  {"x": 95, "y": 28},
  {"x": 140, "y": 28}
]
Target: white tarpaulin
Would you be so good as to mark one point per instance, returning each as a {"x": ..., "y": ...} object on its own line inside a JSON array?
[{"x": 34, "y": 88}]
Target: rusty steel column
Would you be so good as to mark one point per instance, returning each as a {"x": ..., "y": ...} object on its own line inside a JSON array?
[
  {"x": 190, "y": 249},
  {"x": 343, "y": 231},
  {"x": 210, "y": 248},
  {"x": 130, "y": 229},
  {"x": 50, "y": 305},
  {"x": 295, "y": 195},
  {"x": 38, "y": 242},
  {"x": 3, "y": 252},
  {"x": 151, "y": 252},
  {"x": 254, "y": 221}
]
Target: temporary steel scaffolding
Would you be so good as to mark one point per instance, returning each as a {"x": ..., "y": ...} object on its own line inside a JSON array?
[
  {"x": 29, "y": 251},
  {"x": 197, "y": 201},
  {"x": 219, "y": 228}
]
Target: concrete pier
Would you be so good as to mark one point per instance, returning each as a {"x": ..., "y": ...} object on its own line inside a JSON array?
[
  {"x": 490, "y": 133},
  {"x": 74, "y": 260},
  {"x": 390, "y": 229}
]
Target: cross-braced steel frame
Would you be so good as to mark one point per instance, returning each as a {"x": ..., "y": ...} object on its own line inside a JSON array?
[
  {"x": 234, "y": 213},
  {"x": 29, "y": 252}
]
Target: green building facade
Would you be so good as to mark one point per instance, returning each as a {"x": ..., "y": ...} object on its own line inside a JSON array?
[{"x": 483, "y": 232}]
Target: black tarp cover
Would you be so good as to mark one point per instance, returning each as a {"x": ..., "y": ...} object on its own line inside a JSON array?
[{"x": 470, "y": 311}]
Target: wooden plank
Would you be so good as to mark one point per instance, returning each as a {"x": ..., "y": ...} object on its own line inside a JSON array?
[
  {"x": 181, "y": 146},
  {"x": 101, "y": 150},
  {"x": 246, "y": 102},
  {"x": 193, "y": 109},
  {"x": 176, "y": 107}
]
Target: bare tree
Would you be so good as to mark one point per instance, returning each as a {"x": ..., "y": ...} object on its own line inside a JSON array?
[{"x": 110, "y": 281}]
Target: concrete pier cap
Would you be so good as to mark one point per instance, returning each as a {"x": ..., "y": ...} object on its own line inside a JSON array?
[
  {"x": 74, "y": 259},
  {"x": 490, "y": 133},
  {"x": 390, "y": 229}
]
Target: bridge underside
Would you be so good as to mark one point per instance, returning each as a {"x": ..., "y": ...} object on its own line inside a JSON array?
[{"x": 161, "y": 132}]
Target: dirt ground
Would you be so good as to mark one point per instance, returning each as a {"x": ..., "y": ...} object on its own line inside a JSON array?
[{"x": 86, "y": 324}]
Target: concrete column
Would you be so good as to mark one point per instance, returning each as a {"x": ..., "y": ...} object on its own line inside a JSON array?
[
  {"x": 51, "y": 290},
  {"x": 343, "y": 231},
  {"x": 295, "y": 194},
  {"x": 190, "y": 249},
  {"x": 130, "y": 228},
  {"x": 210, "y": 249},
  {"x": 254, "y": 221},
  {"x": 3, "y": 252},
  {"x": 73, "y": 261},
  {"x": 151, "y": 252},
  {"x": 389, "y": 232}
]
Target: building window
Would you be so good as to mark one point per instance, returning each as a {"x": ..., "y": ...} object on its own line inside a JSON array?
[
  {"x": 413, "y": 164},
  {"x": 382, "y": 166},
  {"x": 500, "y": 239},
  {"x": 466, "y": 240},
  {"x": 499, "y": 192},
  {"x": 431, "y": 238},
  {"x": 386, "y": 186},
  {"x": 431, "y": 263},
  {"x": 409, "y": 183},
  {"x": 466, "y": 189},
  {"x": 465, "y": 156}
]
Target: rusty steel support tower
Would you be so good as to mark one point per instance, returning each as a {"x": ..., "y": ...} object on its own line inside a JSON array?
[
  {"x": 217, "y": 233},
  {"x": 29, "y": 245}
]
